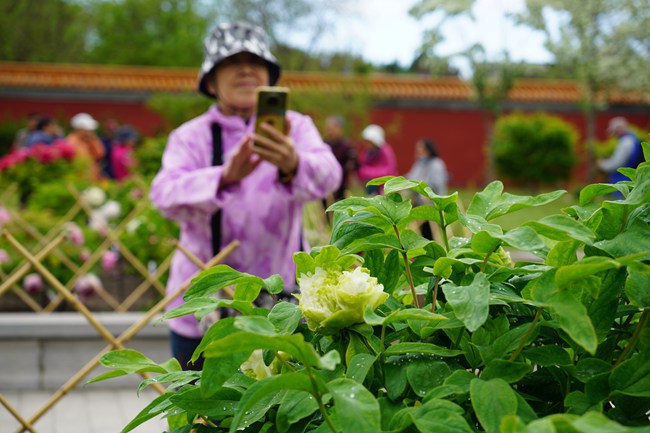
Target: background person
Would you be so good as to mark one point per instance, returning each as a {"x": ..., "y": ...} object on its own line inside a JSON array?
[
  {"x": 256, "y": 194},
  {"x": 122, "y": 160},
  {"x": 20, "y": 139},
  {"x": 376, "y": 157},
  {"x": 628, "y": 152},
  {"x": 47, "y": 131},
  {"x": 430, "y": 168},
  {"x": 343, "y": 151},
  {"x": 86, "y": 143}
]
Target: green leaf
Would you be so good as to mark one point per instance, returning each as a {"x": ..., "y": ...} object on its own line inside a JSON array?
[
  {"x": 548, "y": 355},
  {"x": 508, "y": 371},
  {"x": 216, "y": 371},
  {"x": 212, "y": 280},
  {"x": 424, "y": 212},
  {"x": 470, "y": 303},
  {"x": 131, "y": 361},
  {"x": 634, "y": 239},
  {"x": 220, "y": 404},
  {"x": 356, "y": 408},
  {"x": 435, "y": 416},
  {"x": 484, "y": 243},
  {"x": 563, "y": 253},
  {"x": 412, "y": 240},
  {"x": 637, "y": 289},
  {"x": 345, "y": 232},
  {"x": 420, "y": 348},
  {"x": 566, "y": 275},
  {"x": 523, "y": 238},
  {"x": 561, "y": 227},
  {"x": 393, "y": 211},
  {"x": 588, "y": 193},
  {"x": 295, "y": 406},
  {"x": 292, "y": 344},
  {"x": 594, "y": 422},
  {"x": 395, "y": 379},
  {"x": 424, "y": 375},
  {"x": 359, "y": 366},
  {"x": 274, "y": 284},
  {"x": 285, "y": 317},
  {"x": 492, "y": 202},
  {"x": 352, "y": 203},
  {"x": 305, "y": 263},
  {"x": 401, "y": 315},
  {"x": 574, "y": 320},
  {"x": 255, "y": 324},
  {"x": 400, "y": 183},
  {"x": 492, "y": 401},
  {"x": 632, "y": 377}
]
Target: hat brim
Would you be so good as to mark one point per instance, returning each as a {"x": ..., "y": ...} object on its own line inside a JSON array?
[{"x": 274, "y": 75}]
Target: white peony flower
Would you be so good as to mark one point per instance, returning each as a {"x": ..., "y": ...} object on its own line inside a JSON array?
[
  {"x": 133, "y": 225},
  {"x": 94, "y": 196},
  {"x": 331, "y": 300},
  {"x": 110, "y": 210},
  {"x": 255, "y": 367}
]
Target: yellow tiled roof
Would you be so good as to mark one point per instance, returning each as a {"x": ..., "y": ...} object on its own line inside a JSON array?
[{"x": 83, "y": 77}]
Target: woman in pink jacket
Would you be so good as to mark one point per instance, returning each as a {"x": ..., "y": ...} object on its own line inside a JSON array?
[
  {"x": 376, "y": 158},
  {"x": 221, "y": 187}
]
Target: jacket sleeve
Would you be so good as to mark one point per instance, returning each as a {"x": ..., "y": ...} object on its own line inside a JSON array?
[
  {"x": 187, "y": 184},
  {"x": 319, "y": 173}
]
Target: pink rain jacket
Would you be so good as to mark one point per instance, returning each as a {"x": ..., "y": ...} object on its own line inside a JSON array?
[{"x": 264, "y": 214}]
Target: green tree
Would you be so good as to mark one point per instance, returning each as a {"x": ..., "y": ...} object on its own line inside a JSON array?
[
  {"x": 148, "y": 32},
  {"x": 604, "y": 43},
  {"x": 42, "y": 31}
]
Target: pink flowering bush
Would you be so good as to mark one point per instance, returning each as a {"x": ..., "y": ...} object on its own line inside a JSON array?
[{"x": 41, "y": 163}]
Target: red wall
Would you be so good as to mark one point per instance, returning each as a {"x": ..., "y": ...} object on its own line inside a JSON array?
[
  {"x": 459, "y": 133},
  {"x": 134, "y": 113},
  {"x": 460, "y": 137}
]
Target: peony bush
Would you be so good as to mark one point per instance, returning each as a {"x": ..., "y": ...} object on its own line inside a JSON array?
[{"x": 396, "y": 333}]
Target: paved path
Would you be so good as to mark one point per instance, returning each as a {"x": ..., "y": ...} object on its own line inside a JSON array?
[{"x": 81, "y": 411}]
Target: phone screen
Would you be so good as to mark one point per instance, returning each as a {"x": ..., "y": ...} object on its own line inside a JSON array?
[{"x": 271, "y": 108}]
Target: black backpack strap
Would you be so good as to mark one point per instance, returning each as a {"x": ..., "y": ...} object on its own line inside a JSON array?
[{"x": 217, "y": 159}]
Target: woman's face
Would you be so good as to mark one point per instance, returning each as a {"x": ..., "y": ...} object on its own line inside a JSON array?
[
  {"x": 420, "y": 150},
  {"x": 235, "y": 82}
]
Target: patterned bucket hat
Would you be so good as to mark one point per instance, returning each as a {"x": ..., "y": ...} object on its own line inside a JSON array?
[{"x": 230, "y": 39}]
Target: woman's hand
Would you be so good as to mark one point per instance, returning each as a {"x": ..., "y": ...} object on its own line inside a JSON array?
[
  {"x": 242, "y": 163},
  {"x": 277, "y": 148}
]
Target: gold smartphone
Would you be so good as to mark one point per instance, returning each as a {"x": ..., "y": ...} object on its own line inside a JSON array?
[{"x": 271, "y": 109}]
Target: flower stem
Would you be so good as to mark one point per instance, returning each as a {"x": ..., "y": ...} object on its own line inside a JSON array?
[
  {"x": 443, "y": 230},
  {"x": 635, "y": 337},
  {"x": 319, "y": 400},
  {"x": 525, "y": 338},
  {"x": 407, "y": 267},
  {"x": 435, "y": 295}
]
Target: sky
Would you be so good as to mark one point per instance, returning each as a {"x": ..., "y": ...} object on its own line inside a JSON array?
[{"x": 383, "y": 32}]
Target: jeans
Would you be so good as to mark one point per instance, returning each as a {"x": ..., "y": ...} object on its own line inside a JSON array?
[{"x": 183, "y": 348}]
